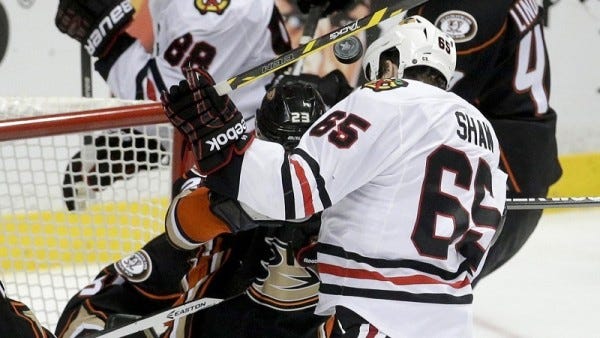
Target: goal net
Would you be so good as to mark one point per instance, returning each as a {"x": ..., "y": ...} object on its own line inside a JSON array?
[{"x": 83, "y": 182}]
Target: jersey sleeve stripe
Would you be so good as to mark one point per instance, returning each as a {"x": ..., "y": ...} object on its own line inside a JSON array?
[
  {"x": 174, "y": 233},
  {"x": 121, "y": 44},
  {"x": 314, "y": 168},
  {"x": 157, "y": 76},
  {"x": 396, "y": 280},
  {"x": 436, "y": 298},
  {"x": 379, "y": 263},
  {"x": 307, "y": 197},
  {"x": 288, "y": 194}
]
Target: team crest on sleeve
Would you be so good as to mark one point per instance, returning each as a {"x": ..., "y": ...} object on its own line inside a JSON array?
[
  {"x": 136, "y": 267},
  {"x": 461, "y": 26},
  {"x": 215, "y": 6},
  {"x": 385, "y": 84}
]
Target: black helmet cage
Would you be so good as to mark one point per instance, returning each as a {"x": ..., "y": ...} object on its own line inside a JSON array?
[{"x": 287, "y": 111}]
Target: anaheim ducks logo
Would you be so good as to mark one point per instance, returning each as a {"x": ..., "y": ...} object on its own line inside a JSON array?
[
  {"x": 461, "y": 26},
  {"x": 136, "y": 267},
  {"x": 285, "y": 287},
  {"x": 216, "y": 6},
  {"x": 385, "y": 84}
]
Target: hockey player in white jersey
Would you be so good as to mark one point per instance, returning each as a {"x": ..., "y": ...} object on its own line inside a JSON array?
[
  {"x": 281, "y": 294},
  {"x": 276, "y": 274},
  {"x": 223, "y": 37},
  {"x": 406, "y": 176}
]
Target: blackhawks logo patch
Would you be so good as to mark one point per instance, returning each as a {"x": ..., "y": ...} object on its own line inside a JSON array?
[
  {"x": 215, "y": 6},
  {"x": 385, "y": 84}
]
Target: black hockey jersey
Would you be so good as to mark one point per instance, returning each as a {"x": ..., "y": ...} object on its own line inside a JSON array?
[
  {"x": 502, "y": 62},
  {"x": 503, "y": 69}
]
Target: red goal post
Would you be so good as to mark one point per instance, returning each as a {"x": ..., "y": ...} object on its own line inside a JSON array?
[{"x": 112, "y": 160}]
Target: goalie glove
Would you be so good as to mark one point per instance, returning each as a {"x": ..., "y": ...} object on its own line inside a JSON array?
[
  {"x": 94, "y": 23},
  {"x": 304, "y": 240},
  {"x": 211, "y": 123}
]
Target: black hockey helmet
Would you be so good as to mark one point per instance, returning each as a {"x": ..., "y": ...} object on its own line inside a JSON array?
[{"x": 287, "y": 111}]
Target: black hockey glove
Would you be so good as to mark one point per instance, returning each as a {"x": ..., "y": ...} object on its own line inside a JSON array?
[
  {"x": 212, "y": 124},
  {"x": 231, "y": 213},
  {"x": 333, "y": 87},
  {"x": 332, "y": 6},
  {"x": 94, "y": 23},
  {"x": 304, "y": 242}
]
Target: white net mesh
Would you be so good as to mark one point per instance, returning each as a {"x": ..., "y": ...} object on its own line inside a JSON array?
[{"x": 71, "y": 204}]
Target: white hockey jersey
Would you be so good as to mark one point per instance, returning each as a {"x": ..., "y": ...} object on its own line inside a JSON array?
[
  {"x": 408, "y": 178},
  {"x": 226, "y": 37}
]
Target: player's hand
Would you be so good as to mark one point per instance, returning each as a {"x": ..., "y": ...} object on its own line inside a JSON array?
[
  {"x": 304, "y": 241},
  {"x": 333, "y": 87},
  {"x": 94, "y": 23},
  {"x": 211, "y": 123},
  {"x": 332, "y": 6}
]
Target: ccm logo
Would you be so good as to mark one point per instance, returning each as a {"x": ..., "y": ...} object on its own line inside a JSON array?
[
  {"x": 106, "y": 25},
  {"x": 344, "y": 30},
  {"x": 230, "y": 134}
]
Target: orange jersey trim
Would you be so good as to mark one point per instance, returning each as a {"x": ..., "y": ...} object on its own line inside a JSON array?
[{"x": 195, "y": 219}]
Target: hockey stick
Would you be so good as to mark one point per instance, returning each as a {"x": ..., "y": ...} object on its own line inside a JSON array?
[
  {"x": 308, "y": 33},
  {"x": 315, "y": 45},
  {"x": 159, "y": 318},
  {"x": 88, "y": 151},
  {"x": 86, "y": 73},
  {"x": 551, "y": 202},
  {"x": 292, "y": 56}
]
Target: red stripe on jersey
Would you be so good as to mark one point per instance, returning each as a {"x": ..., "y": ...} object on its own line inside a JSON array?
[
  {"x": 373, "y": 275},
  {"x": 150, "y": 90},
  {"x": 309, "y": 208},
  {"x": 372, "y": 331}
]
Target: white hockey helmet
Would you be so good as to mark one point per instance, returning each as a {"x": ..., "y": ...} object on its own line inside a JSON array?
[{"x": 419, "y": 43}]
